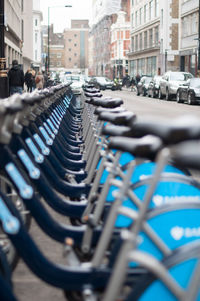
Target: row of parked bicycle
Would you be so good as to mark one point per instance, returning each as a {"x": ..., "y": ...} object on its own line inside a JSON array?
[
  {"x": 123, "y": 182},
  {"x": 181, "y": 86}
]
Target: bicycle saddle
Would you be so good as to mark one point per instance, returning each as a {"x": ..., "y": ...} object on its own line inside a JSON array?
[
  {"x": 122, "y": 118},
  {"x": 99, "y": 110},
  {"x": 13, "y": 104},
  {"x": 114, "y": 130},
  {"x": 91, "y": 89},
  {"x": 186, "y": 154},
  {"x": 107, "y": 103},
  {"x": 145, "y": 147},
  {"x": 171, "y": 132},
  {"x": 91, "y": 95}
]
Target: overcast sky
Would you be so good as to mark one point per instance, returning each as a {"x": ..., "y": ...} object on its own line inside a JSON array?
[{"x": 61, "y": 16}]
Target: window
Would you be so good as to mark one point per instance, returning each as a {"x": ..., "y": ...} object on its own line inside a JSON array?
[
  {"x": 132, "y": 20},
  {"x": 145, "y": 13},
  {"x": 75, "y": 54},
  {"x": 133, "y": 70},
  {"x": 22, "y": 5},
  {"x": 161, "y": 18},
  {"x": 140, "y": 41},
  {"x": 136, "y": 18},
  {"x": 70, "y": 49},
  {"x": 194, "y": 23},
  {"x": 36, "y": 37},
  {"x": 75, "y": 44},
  {"x": 156, "y": 35},
  {"x": 69, "y": 40},
  {"x": 35, "y": 55},
  {"x": 75, "y": 35},
  {"x": 70, "y": 59},
  {"x": 150, "y": 37},
  {"x": 36, "y": 22},
  {"x": 132, "y": 43},
  {"x": 185, "y": 26},
  {"x": 58, "y": 63},
  {"x": 145, "y": 39},
  {"x": 156, "y": 8},
  {"x": 59, "y": 55},
  {"x": 150, "y": 10},
  {"x": 140, "y": 16},
  {"x": 136, "y": 43}
]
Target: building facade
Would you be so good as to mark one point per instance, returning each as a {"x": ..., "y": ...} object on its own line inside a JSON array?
[
  {"x": 106, "y": 39},
  {"x": 57, "y": 50},
  {"x": 37, "y": 35},
  {"x": 154, "y": 37},
  {"x": 76, "y": 46},
  {"x": 120, "y": 45},
  {"x": 14, "y": 31},
  {"x": 27, "y": 33},
  {"x": 189, "y": 11}
]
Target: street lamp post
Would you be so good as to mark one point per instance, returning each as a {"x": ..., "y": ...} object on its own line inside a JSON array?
[
  {"x": 198, "y": 65},
  {"x": 48, "y": 39},
  {"x": 165, "y": 60},
  {"x": 3, "y": 72}
]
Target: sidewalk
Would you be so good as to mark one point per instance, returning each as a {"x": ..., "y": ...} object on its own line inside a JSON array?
[{"x": 26, "y": 285}]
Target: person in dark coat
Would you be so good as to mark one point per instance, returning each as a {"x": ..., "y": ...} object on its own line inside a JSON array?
[
  {"x": 16, "y": 78},
  {"x": 137, "y": 78},
  {"x": 132, "y": 84},
  {"x": 29, "y": 80}
]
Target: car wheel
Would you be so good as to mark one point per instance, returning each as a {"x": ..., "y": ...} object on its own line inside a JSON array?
[
  {"x": 148, "y": 94},
  {"x": 160, "y": 96},
  {"x": 144, "y": 92},
  {"x": 168, "y": 96},
  {"x": 190, "y": 98},
  {"x": 178, "y": 99},
  {"x": 138, "y": 93}
]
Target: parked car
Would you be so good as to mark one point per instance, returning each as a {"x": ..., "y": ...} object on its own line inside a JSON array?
[
  {"x": 101, "y": 82},
  {"x": 76, "y": 81},
  {"x": 189, "y": 92},
  {"x": 154, "y": 86},
  {"x": 143, "y": 85},
  {"x": 170, "y": 82}
]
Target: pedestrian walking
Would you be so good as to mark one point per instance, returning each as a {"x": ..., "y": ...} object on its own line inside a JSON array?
[
  {"x": 33, "y": 74},
  {"x": 45, "y": 78},
  {"x": 29, "y": 80},
  {"x": 16, "y": 78},
  {"x": 137, "y": 78},
  {"x": 132, "y": 84},
  {"x": 39, "y": 81}
]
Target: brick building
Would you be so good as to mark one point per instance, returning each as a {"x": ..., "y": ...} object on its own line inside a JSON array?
[
  {"x": 189, "y": 13},
  {"x": 120, "y": 45},
  {"x": 105, "y": 40},
  {"x": 56, "y": 49},
  {"x": 76, "y": 46}
]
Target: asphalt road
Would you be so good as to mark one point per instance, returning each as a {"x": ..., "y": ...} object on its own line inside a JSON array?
[
  {"x": 26, "y": 285},
  {"x": 153, "y": 107}
]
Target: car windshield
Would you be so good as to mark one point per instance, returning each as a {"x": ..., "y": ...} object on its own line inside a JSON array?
[
  {"x": 101, "y": 79},
  {"x": 75, "y": 78},
  {"x": 195, "y": 82},
  {"x": 178, "y": 76},
  {"x": 72, "y": 78}
]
